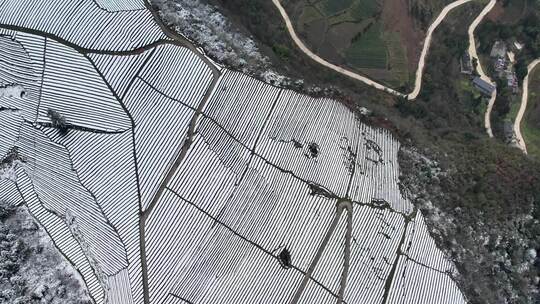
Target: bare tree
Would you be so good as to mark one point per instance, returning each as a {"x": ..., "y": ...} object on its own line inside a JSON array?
[{"x": 58, "y": 121}]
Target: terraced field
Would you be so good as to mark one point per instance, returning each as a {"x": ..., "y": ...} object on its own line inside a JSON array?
[
  {"x": 165, "y": 178},
  {"x": 353, "y": 33},
  {"x": 368, "y": 50}
]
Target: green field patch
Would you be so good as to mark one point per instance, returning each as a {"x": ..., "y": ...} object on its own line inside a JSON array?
[
  {"x": 315, "y": 34},
  {"x": 532, "y": 139},
  {"x": 515, "y": 104},
  {"x": 309, "y": 14},
  {"x": 341, "y": 35},
  {"x": 368, "y": 50},
  {"x": 341, "y": 18},
  {"x": 363, "y": 9},
  {"x": 529, "y": 129},
  {"x": 474, "y": 99},
  {"x": 332, "y": 7},
  {"x": 397, "y": 58},
  {"x": 360, "y": 11}
]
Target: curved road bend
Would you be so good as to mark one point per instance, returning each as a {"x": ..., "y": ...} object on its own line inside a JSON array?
[
  {"x": 421, "y": 63},
  {"x": 473, "y": 54},
  {"x": 524, "y": 98}
]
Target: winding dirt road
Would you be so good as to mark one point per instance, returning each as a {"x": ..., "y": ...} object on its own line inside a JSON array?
[
  {"x": 524, "y": 98},
  {"x": 421, "y": 63},
  {"x": 474, "y": 55}
]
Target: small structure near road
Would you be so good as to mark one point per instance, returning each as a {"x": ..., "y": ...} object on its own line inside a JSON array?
[
  {"x": 503, "y": 63},
  {"x": 466, "y": 64},
  {"x": 498, "y": 49},
  {"x": 509, "y": 134},
  {"x": 485, "y": 87},
  {"x": 517, "y": 45}
]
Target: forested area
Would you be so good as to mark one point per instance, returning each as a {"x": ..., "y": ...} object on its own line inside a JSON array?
[
  {"x": 31, "y": 269},
  {"x": 484, "y": 208}
]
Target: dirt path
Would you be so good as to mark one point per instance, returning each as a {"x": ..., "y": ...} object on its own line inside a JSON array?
[
  {"x": 347, "y": 253},
  {"x": 419, "y": 72},
  {"x": 524, "y": 98},
  {"x": 473, "y": 54},
  {"x": 341, "y": 205},
  {"x": 392, "y": 274}
]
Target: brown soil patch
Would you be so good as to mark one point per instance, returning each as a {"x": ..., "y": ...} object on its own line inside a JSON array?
[
  {"x": 315, "y": 33},
  {"x": 496, "y": 12},
  {"x": 328, "y": 52},
  {"x": 509, "y": 14},
  {"x": 340, "y": 35},
  {"x": 396, "y": 18}
]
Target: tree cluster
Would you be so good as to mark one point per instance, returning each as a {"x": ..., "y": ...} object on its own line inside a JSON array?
[
  {"x": 58, "y": 121},
  {"x": 31, "y": 272}
]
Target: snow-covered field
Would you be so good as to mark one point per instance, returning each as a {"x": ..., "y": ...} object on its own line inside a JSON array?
[{"x": 181, "y": 182}]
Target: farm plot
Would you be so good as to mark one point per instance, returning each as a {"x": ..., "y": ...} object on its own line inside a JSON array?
[
  {"x": 120, "y": 71},
  {"x": 60, "y": 232},
  {"x": 368, "y": 50},
  {"x": 415, "y": 283},
  {"x": 84, "y": 23},
  {"x": 319, "y": 135},
  {"x": 9, "y": 193},
  {"x": 120, "y": 5},
  {"x": 72, "y": 87},
  {"x": 355, "y": 34},
  {"x": 241, "y": 105},
  {"x": 238, "y": 252},
  {"x": 162, "y": 105},
  {"x": 422, "y": 249},
  {"x": 60, "y": 192},
  {"x": 105, "y": 165},
  {"x": 20, "y": 78},
  {"x": 376, "y": 177},
  {"x": 270, "y": 196},
  {"x": 260, "y": 173},
  {"x": 11, "y": 123}
]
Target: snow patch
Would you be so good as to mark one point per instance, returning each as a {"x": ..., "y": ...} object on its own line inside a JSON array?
[
  {"x": 12, "y": 91},
  {"x": 205, "y": 25},
  {"x": 9, "y": 171}
]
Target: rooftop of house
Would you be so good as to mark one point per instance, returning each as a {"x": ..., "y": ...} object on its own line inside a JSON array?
[{"x": 483, "y": 85}]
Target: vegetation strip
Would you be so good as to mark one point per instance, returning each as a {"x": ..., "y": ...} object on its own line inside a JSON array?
[{"x": 524, "y": 98}]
